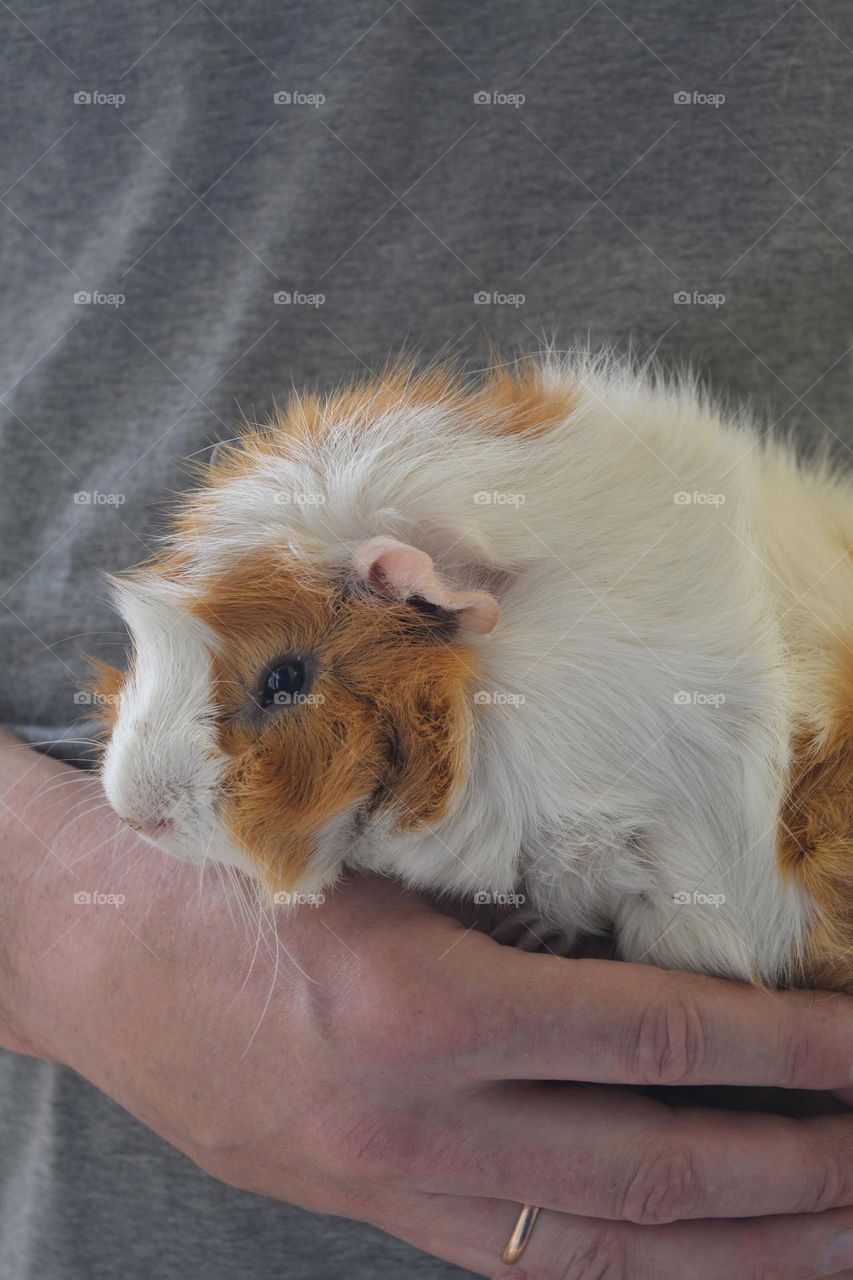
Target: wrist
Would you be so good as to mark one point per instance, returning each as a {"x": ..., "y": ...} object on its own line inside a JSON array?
[
  {"x": 49, "y": 949},
  {"x": 18, "y": 862},
  {"x": 14, "y": 1032}
]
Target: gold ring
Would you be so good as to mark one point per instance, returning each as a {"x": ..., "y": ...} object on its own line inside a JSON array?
[{"x": 521, "y": 1233}]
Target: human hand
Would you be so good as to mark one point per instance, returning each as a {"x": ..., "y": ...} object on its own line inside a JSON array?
[{"x": 374, "y": 1059}]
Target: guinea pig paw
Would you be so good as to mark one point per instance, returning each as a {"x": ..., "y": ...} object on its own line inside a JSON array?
[{"x": 526, "y": 929}]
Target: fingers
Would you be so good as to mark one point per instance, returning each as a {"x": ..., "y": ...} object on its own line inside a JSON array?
[
  {"x": 472, "y": 1233},
  {"x": 608, "y": 1154},
  {"x": 612, "y": 1022}
]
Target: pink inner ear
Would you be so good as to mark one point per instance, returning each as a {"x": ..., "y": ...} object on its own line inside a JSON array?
[{"x": 398, "y": 571}]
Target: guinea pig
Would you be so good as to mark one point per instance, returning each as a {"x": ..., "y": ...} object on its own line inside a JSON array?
[{"x": 571, "y": 635}]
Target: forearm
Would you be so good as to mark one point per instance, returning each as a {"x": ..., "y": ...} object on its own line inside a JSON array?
[{"x": 28, "y": 827}]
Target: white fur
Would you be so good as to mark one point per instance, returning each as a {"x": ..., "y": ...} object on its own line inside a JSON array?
[
  {"x": 590, "y": 784},
  {"x": 162, "y": 760}
]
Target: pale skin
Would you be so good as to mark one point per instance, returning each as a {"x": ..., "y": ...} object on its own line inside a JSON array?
[{"x": 386, "y": 1065}]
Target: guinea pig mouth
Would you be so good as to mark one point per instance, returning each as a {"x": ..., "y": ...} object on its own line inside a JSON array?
[
  {"x": 197, "y": 842},
  {"x": 164, "y": 833},
  {"x": 153, "y": 828}
]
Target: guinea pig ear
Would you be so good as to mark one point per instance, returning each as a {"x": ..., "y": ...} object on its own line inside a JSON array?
[{"x": 399, "y": 572}]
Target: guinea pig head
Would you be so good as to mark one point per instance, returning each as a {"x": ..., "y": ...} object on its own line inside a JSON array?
[{"x": 279, "y": 712}]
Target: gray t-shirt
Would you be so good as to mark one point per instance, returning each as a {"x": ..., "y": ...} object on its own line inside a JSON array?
[{"x": 202, "y": 205}]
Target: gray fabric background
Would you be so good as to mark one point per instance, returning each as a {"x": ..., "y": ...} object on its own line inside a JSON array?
[{"x": 398, "y": 198}]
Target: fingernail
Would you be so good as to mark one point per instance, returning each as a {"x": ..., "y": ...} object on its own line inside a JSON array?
[{"x": 839, "y": 1255}]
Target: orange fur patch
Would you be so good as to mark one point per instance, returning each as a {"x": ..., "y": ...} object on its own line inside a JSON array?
[
  {"x": 816, "y": 839},
  {"x": 310, "y": 415},
  {"x": 105, "y": 687},
  {"x": 385, "y": 723},
  {"x": 508, "y": 400},
  {"x": 515, "y": 402}
]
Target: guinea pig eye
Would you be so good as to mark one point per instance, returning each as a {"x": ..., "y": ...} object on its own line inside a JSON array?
[{"x": 283, "y": 683}]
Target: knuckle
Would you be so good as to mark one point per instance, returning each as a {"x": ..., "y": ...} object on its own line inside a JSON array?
[
  {"x": 767, "y": 1268},
  {"x": 798, "y": 1058},
  {"x": 829, "y": 1184},
  {"x": 666, "y": 1187},
  {"x": 372, "y": 1148},
  {"x": 598, "y": 1254},
  {"x": 810, "y": 1039},
  {"x": 670, "y": 1045},
  {"x": 399, "y": 1023}
]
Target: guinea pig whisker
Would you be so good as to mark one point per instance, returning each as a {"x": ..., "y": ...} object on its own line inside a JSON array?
[
  {"x": 245, "y": 902},
  {"x": 42, "y": 794},
  {"x": 102, "y": 807},
  {"x": 53, "y": 784},
  {"x": 265, "y": 1008}
]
